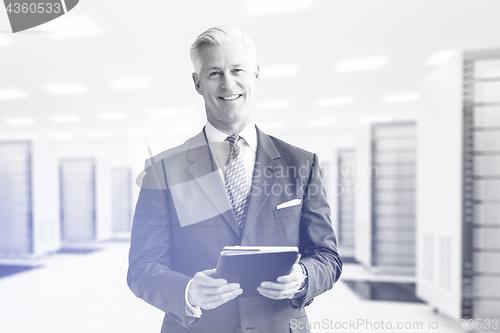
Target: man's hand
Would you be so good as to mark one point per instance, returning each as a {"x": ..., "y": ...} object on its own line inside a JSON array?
[
  {"x": 209, "y": 293},
  {"x": 285, "y": 287}
]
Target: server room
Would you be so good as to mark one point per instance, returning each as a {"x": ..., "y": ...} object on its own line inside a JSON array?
[{"x": 399, "y": 101}]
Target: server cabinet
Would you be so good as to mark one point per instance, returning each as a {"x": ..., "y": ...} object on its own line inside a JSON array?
[
  {"x": 459, "y": 237},
  {"x": 481, "y": 185},
  {"x": 385, "y": 193},
  {"x": 121, "y": 187},
  {"x": 345, "y": 192},
  {"x": 29, "y": 222},
  {"x": 85, "y": 201}
]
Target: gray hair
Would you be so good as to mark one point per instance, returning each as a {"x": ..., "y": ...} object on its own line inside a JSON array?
[{"x": 217, "y": 36}]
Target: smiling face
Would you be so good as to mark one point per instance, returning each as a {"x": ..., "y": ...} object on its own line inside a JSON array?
[{"x": 227, "y": 82}]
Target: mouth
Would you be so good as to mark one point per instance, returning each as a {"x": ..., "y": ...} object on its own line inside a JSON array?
[{"x": 231, "y": 98}]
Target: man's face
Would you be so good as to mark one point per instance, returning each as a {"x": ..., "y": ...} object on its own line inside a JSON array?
[{"x": 227, "y": 82}]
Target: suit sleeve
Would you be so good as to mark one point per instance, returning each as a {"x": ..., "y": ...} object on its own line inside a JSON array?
[
  {"x": 318, "y": 244},
  {"x": 150, "y": 275}
]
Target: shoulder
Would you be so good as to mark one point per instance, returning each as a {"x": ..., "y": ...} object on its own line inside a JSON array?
[
  {"x": 279, "y": 148},
  {"x": 180, "y": 152},
  {"x": 286, "y": 148}
]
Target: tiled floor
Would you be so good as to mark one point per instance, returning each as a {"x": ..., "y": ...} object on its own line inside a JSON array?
[{"x": 87, "y": 292}]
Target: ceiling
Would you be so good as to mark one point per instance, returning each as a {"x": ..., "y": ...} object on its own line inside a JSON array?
[{"x": 150, "y": 40}]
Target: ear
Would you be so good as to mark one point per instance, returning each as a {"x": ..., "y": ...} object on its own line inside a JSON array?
[
  {"x": 257, "y": 72},
  {"x": 197, "y": 84}
]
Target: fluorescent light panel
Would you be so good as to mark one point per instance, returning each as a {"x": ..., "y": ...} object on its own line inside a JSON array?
[
  {"x": 278, "y": 71},
  {"x": 112, "y": 115},
  {"x": 163, "y": 112},
  {"x": 440, "y": 57},
  {"x": 12, "y": 93},
  {"x": 361, "y": 64},
  {"x": 66, "y": 89},
  {"x": 321, "y": 123},
  {"x": 276, "y": 105},
  {"x": 64, "y": 118},
  {"x": 19, "y": 121},
  {"x": 272, "y": 125},
  {"x": 62, "y": 136},
  {"x": 131, "y": 83},
  {"x": 401, "y": 97},
  {"x": 100, "y": 134},
  {"x": 25, "y": 136},
  {"x": 71, "y": 27},
  {"x": 335, "y": 101},
  {"x": 4, "y": 41},
  {"x": 263, "y": 7},
  {"x": 375, "y": 119}
]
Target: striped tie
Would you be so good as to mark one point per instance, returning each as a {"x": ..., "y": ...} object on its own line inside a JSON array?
[{"x": 236, "y": 181}]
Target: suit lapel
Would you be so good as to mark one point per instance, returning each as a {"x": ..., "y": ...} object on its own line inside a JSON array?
[
  {"x": 215, "y": 191},
  {"x": 263, "y": 178}
]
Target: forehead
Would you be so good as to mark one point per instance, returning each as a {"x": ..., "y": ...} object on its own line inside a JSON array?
[{"x": 225, "y": 55}]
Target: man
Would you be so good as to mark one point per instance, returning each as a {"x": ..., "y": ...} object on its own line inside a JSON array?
[{"x": 230, "y": 185}]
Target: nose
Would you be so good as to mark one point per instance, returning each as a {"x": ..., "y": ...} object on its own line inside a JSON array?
[{"x": 227, "y": 82}]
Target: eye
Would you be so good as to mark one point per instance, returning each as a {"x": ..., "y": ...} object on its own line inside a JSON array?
[
  {"x": 214, "y": 73},
  {"x": 237, "y": 70}
]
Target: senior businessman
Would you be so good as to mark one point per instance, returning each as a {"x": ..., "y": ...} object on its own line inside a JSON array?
[{"x": 231, "y": 184}]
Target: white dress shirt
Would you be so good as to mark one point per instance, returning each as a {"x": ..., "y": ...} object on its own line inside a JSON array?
[
  {"x": 247, "y": 145},
  {"x": 220, "y": 151}
]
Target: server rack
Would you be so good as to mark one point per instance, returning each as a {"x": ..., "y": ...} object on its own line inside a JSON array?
[
  {"x": 393, "y": 197},
  {"x": 85, "y": 201},
  {"x": 28, "y": 200},
  {"x": 459, "y": 225},
  {"x": 345, "y": 192},
  {"x": 121, "y": 186},
  {"x": 481, "y": 184}
]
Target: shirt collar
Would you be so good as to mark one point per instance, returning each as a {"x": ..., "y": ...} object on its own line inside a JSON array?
[{"x": 248, "y": 133}]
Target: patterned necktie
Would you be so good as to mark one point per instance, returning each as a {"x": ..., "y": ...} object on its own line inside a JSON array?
[{"x": 236, "y": 181}]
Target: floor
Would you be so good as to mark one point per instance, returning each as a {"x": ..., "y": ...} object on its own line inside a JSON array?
[{"x": 86, "y": 291}]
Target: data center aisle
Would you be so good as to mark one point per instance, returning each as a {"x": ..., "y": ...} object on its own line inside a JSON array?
[{"x": 87, "y": 292}]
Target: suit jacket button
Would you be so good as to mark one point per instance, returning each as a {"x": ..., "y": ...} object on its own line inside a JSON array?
[{"x": 238, "y": 330}]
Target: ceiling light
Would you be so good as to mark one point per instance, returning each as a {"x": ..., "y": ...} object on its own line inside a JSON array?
[
  {"x": 321, "y": 123},
  {"x": 375, "y": 119},
  {"x": 272, "y": 125},
  {"x": 111, "y": 115},
  {"x": 64, "y": 118},
  {"x": 26, "y": 136},
  {"x": 401, "y": 97},
  {"x": 277, "y": 105},
  {"x": 163, "y": 112},
  {"x": 4, "y": 41},
  {"x": 19, "y": 121},
  {"x": 361, "y": 64},
  {"x": 6, "y": 94},
  {"x": 278, "y": 71},
  {"x": 440, "y": 57},
  {"x": 262, "y": 7},
  {"x": 100, "y": 134},
  {"x": 66, "y": 89},
  {"x": 71, "y": 27},
  {"x": 62, "y": 136},
  {"x": 335, "y": 101},
  {"x": 131, "y": 84}
]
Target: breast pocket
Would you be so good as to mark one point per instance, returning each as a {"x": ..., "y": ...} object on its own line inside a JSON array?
[{"x": 287, "y": 211}]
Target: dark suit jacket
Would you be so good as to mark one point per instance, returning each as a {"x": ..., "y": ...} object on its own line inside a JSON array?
[{"x": 168, "y": 248}]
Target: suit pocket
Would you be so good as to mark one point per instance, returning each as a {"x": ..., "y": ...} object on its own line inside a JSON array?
[
  {"x": 287, "y": 211},
  {"x": 300, "y": 325}
]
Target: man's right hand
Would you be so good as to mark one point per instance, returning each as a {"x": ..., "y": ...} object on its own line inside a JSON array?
[{"x": 208, "y": 293}]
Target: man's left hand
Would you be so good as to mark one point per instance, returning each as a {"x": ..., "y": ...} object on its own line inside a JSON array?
[{"x": 285, "y": 287}]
